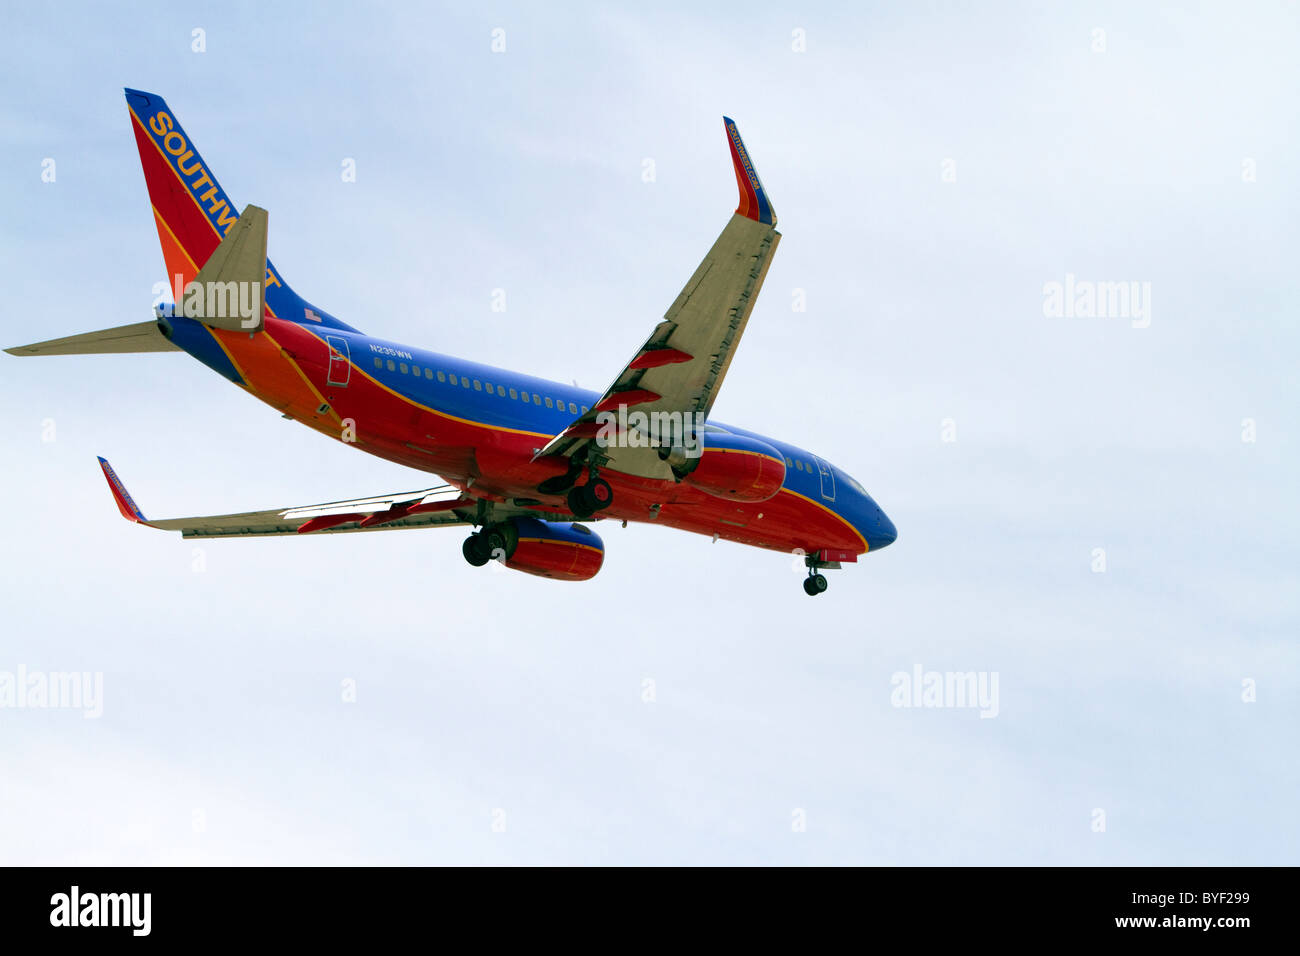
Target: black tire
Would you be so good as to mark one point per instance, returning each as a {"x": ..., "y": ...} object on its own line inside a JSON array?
[
  {"x": 578, "y": 502},
  {"x": 819, "y": 582},
  {"x": 599, "y": 494},
  {"x": 810, "y": 587},
  {"x": 476, "y": 551}
]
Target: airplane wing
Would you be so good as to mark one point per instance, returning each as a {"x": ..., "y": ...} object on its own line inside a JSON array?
[
  {"x": 680, "y": 368},
  {"x": 432, "y": 507},
  {"x": 140, "y": 337}
]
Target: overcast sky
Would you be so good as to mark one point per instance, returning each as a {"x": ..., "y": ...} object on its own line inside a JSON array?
[{"x": 934, "y": 169}]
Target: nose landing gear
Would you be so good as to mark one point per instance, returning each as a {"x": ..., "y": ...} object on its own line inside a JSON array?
[
  {"x": 814, "y": 584},
  {"x": 816, "y": 563}
]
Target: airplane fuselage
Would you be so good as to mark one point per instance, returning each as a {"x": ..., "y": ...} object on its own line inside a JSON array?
[{"x": 480, "y": 428}]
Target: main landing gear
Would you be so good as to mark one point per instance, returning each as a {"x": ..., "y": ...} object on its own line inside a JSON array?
[
  {"x": 482, "y": 546},
  {"x": 585, "y": 500}
]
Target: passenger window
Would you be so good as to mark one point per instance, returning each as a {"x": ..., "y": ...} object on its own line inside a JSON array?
[
  {"x": 428, "y": 373},
  {"x": 584, "y": 409},
  {"x": 464, "y": 382},
  {"x": 789, "y": 462},
  {"x": 548, "y": 402},
  {"x": 514, "y": 394},
  {"x": 501, "y": 391},
  {"x": 478, "y": 386},
  {"x": 536, "y": 399},
  {"x": 391, "y": 366},
  {"x": 441, "y": 376},
  {"x": 403, "y": 368},
  {"x": 379, "y": 363},
  {"x": 573, "y": 408},
  {"x": 415, "y": 370}
]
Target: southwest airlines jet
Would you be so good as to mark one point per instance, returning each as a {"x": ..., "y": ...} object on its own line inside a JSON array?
[{"x": 521, "y": 457}]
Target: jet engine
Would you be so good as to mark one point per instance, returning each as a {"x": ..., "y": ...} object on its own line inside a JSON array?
[
  {"x": 731, "y": 467},
  {"x": 560, "y": 550}
]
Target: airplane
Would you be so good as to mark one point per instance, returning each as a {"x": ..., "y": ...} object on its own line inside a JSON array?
[{"x": 520, "y": 457}]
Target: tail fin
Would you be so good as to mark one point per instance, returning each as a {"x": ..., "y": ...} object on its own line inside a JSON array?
[{"x": 192, "y": 211}]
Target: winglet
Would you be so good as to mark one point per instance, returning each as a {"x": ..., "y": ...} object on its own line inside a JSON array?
[
  {"x": 754, "y": 203},
  {"x": 125, "y": 503}
]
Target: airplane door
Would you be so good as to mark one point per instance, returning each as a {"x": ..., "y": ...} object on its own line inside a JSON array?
[
  {"x": 340, "y": 367},
  {"x": 828, "y": 480}
]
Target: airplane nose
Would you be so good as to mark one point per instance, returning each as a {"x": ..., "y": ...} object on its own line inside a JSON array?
[{"x": 883, "y": 534}]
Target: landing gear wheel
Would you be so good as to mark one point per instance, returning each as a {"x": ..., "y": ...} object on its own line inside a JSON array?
[
  {"x": 585, "y": 500},
  {"x": 599, "y": 493},
  {"x": 494, "y": 543},
  {"x": 578, "y": 503},
  {"x": 815, "y": 584},
  {"x": 476, "y": 550}
]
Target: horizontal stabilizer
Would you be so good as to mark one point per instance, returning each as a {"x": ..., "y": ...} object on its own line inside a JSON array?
[{"x": 140, "y": 337}]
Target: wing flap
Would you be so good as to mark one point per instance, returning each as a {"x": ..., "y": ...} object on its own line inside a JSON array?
[
  {"x": 266, "y": 524},
  {"x": 444, "y": 505}
]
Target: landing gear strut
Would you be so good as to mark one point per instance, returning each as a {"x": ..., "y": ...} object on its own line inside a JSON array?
[{"x": 585, "y": 500}]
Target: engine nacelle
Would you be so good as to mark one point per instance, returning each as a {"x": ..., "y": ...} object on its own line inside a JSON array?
[
  {"x": 735, "y": 468},
  {"x": 559, "y": 550}
]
